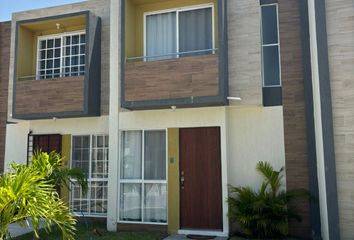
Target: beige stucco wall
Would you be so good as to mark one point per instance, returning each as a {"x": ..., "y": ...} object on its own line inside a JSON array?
[
  {"x": 340, "y": 28},
  {"x": 100, "y": 8},
  {"x": 254, "y": 134},
  {"x": 245, "y": 79}
]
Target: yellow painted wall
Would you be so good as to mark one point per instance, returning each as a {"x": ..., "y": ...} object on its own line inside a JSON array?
[
  {"x": 25, "y": 53},
  {"x": 130, "y": 28},
  {"x": 65, "y": 151},
  {"x": 173, "y": 181},
  {"x": 156, "y": 6}
]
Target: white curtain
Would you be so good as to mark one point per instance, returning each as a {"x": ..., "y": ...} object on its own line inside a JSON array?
[
  {"x": 130, "y": 202},
  {"x": 161, "y": 35},
  {"x": 155, "y": 155},
  {"x": 131, "y": 155},
  {"x": 155, "y": 203}
]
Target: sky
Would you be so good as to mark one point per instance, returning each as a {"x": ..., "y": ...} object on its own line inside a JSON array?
[{"x": 7, "y": 7}]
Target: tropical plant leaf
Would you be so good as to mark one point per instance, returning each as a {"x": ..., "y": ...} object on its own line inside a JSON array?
[{"x": 264, "y": 213}]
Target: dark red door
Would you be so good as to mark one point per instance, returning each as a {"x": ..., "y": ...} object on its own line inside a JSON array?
[
  {"x": 200, "y": 179},
  {"x": 47, "y": 143}
]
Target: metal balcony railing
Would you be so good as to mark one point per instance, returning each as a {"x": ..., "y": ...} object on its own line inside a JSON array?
[
  {"x": 51, "y": 76},
  {"x": 172, "y": 55}
]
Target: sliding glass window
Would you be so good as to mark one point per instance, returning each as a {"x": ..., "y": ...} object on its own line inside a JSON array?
[
  {"x": 143, "y": 180},
  {"x": 270, "y": 46},
  {"x": 180, "y": 32}
]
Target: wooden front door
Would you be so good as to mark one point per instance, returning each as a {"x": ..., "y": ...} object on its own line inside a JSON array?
[
  {"x": 200, "y": 179},
  {"x": 47, "y": 143}
]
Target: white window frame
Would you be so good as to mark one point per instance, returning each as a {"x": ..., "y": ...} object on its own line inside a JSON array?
[
  {"x": 62, "y": 56},
  {"x": 177, "y": 11},
  {"x": 89, "y": 178},
  {"x": 269, "y": 45},
  {"x": 142, "y": 181}
]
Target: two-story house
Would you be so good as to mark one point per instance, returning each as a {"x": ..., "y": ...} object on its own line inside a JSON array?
[{"x": 164, "y": 103}]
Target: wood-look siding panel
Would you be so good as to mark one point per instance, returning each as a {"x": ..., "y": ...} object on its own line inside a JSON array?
[
  {"x": 168, "y": 79},
  {"x": 340, "y": 30},
  {"x": 51, "y": 95},
  {"x": 294, "y": 111},
  {"x": 245, "y": 59},
  {"x": 5, "y": 34}
]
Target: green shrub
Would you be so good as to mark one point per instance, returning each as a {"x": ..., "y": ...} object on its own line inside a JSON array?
[
  {"x": 30, "y": 192},
  {"x": 264, "y": 213}
]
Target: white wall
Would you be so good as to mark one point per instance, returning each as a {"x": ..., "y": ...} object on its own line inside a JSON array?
[
  {"x": 16, "y": 143},
  {"x": 254, "y": 134}
]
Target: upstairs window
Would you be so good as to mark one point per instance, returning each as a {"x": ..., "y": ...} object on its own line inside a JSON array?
[
  {"x": 61, "y": 55},
  {"x": 270, "y": 46},
  {"x": 179, "y": 32}
]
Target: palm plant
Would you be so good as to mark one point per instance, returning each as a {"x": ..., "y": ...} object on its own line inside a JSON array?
[
  {"x": 30, "y": 192},
  {"x": 264, "y": 213}
]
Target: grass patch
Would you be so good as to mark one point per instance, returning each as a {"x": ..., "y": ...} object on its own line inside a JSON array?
[{"x": 95, "y": 231}]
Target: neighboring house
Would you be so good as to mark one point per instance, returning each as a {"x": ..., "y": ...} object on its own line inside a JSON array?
[{"x": 163, "y": 103}]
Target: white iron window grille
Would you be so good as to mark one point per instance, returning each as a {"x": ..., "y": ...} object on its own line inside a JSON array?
[
  {"x": 90, "y": 153},
  {"x": 61, "y": 55}
]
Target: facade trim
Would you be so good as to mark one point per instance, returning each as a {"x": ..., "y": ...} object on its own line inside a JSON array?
[
  {"x": 315, "y": 217},
  {"x": 327, "y": 120}
]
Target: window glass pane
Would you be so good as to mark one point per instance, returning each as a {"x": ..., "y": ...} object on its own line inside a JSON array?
[
  {"x": 57, "y": 53},
  {"x": 269, "y": 24},
  {"x": 155, "y": 203},
  {"x": 43, "y": 44},
  {"x": 82, "y": 38},
  {"x": 79, "y": 201},
  {"x": 42, "y": 65},
  {"x": 75, "y": 39},
  {"x": 57, "y": 63},
  {"x": 82, "y": 49},
  {"x": 50, "y": 43},
  {"x": 195, "y": 30},
  {"x": 80, "y": 153},
  {"x": 67, "y": 51},
  {"x": 50, "y": 54},
  {"x": 161, "y": 35},
  {"x": 155, "y": 155},
  {"x": 130, "y": 202},
  {"x": 57, "y": 42},
  {"x": 99, "y": 166},
  {"x": 271, "y": 66},
  {"x": 42, "y": 55},
  {"x": 98, "y": 196},
  {"x": 131, "y": 155}
]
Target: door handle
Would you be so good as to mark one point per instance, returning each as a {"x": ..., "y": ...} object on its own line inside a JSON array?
[{"x": 182, "y": 179}]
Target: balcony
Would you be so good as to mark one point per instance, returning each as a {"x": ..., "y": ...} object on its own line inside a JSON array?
[
  {"x": 57, "y": 67},
  {"x": 175, "y": 54}
]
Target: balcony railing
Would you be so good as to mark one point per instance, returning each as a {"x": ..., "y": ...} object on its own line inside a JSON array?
[
  {"x": 172, "y": 55},
  {"x": 54, "y": 76}
]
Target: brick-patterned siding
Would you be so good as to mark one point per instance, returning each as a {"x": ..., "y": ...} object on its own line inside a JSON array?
[
  {"x": 5, "y": 35},
  {"x": 340, "y": 29},
  {"x": 50, "y": 95},
  {"x": 294, "y": 110},
  {"x": 179, "y": 78}
]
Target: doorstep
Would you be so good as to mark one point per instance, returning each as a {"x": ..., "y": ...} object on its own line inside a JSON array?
[{"x": 184, "y": 237}]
